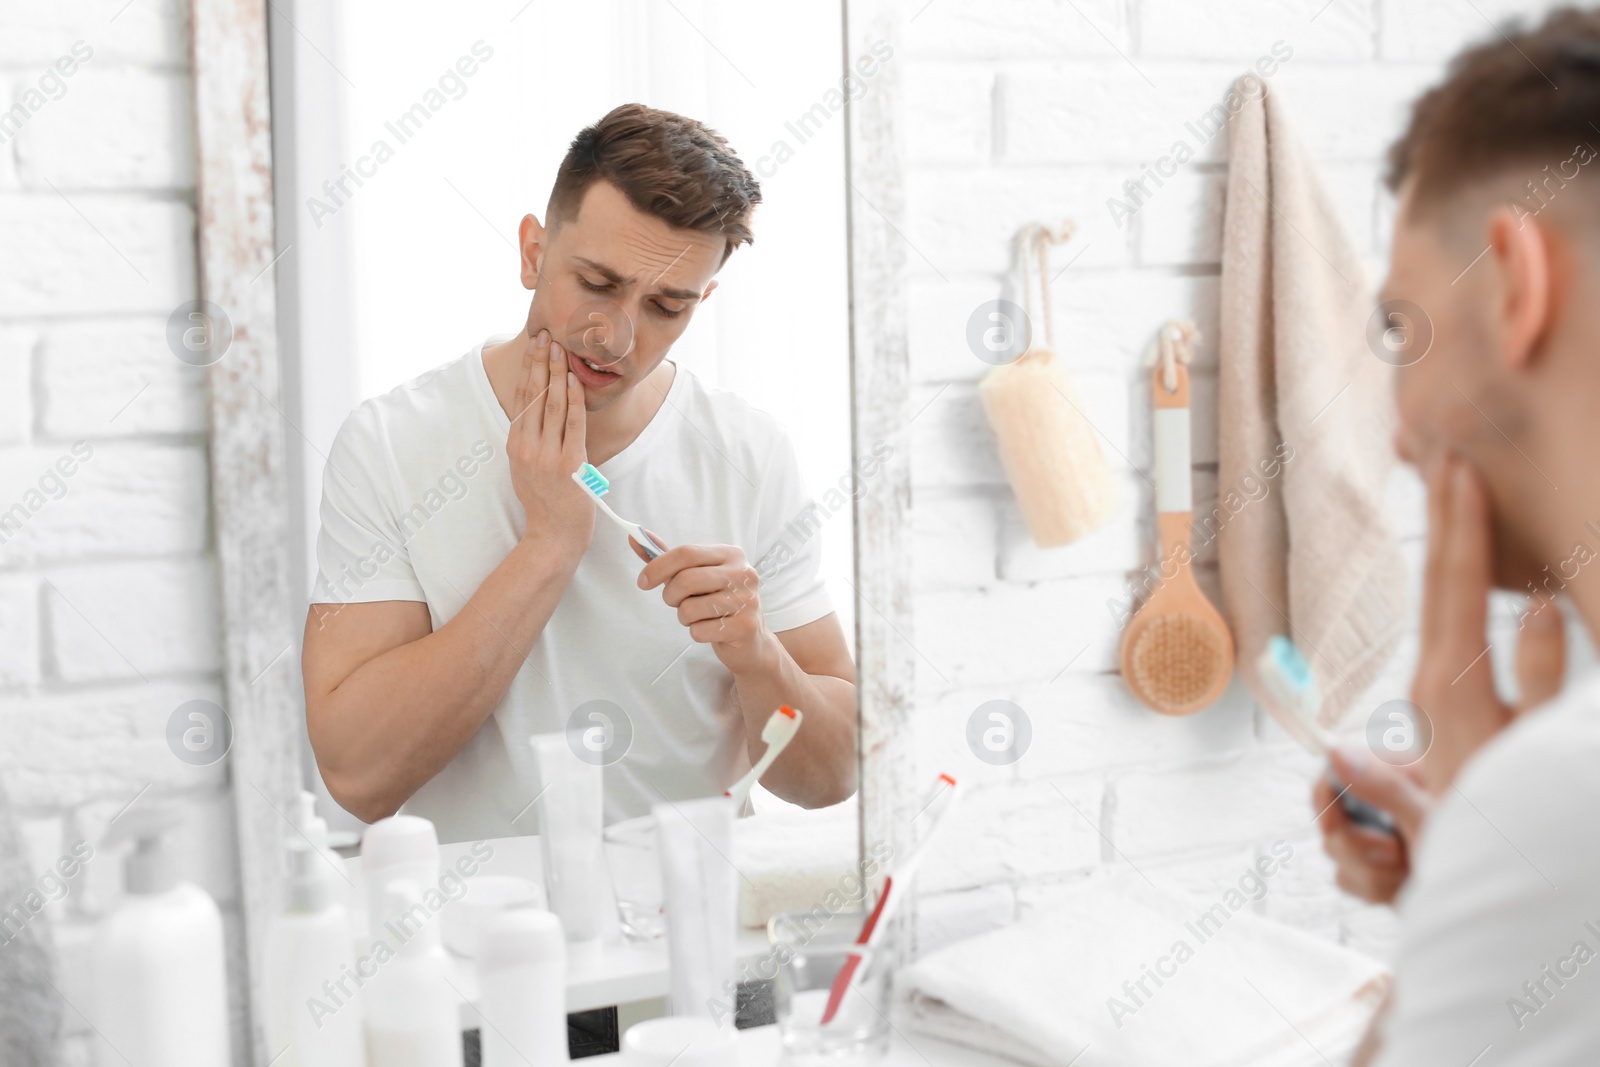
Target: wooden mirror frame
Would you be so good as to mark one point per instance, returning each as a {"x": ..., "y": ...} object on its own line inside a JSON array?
[
  {"x": 249, "y": 498},
  {"x": 880, "y": 389}
]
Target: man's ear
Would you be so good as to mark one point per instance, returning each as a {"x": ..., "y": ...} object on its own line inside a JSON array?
[
  {"x": 530, "y": 239},
  {"x": 1522, "y": 253},
  {"x": 707, "y": 294}
]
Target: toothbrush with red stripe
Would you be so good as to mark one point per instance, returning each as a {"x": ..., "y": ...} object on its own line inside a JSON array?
[{"x": 944, "y": 794}]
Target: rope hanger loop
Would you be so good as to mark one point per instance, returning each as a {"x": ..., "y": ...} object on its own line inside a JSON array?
[
  {"x": 1033, "y": 253},
  {"x": 1174, "y": 343}
]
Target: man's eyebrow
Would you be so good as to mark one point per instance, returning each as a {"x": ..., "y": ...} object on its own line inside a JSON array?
[{"x": 616, "y": 279}]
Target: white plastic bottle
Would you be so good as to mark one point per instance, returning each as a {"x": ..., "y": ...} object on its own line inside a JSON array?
[
  {"x": 158, "y": 981},
  {"x": 313, "y": 1012},
  {"x": 522, "y": 989},
  {"x": 412, "y": 1014},
  {"x": 313, "y": 827},
  {"x": 401, "y": 846}
]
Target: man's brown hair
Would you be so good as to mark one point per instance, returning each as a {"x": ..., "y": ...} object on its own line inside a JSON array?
[
  {"x": 1526, "y": 96},
  {"x": 668, "y": 166}
]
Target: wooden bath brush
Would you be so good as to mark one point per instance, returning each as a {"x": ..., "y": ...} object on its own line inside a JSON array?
[{"x": 1177, "y": 652}]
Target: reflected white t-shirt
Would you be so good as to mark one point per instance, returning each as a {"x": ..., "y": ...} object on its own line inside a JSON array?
[
  {"x": 417, "y": 504},
  {"x": 1499, "y": 954}
]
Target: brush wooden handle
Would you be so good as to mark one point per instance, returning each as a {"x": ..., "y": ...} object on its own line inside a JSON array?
[
  {"x": 1177, "y": 653},
  {"x": 1170, "y": 436}
]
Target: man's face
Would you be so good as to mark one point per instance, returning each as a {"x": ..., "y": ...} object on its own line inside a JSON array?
[
  {"x": 1454, "y": 394},
  {"x": 616, "y": 288}
]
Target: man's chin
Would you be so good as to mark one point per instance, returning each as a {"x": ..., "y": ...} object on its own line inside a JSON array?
[
  {"x": 599, "y": 402},
  {"x": 1513, "y": 569}
]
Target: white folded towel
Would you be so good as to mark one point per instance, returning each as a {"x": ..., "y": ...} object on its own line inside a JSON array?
[
  {"x": 793, "y": 859},
  {"x": 1064, "y": 986}
]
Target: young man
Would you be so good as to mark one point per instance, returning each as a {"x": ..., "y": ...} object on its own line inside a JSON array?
[
  {"x": 466, "y": 600},
  {"x": 1496, "y": 252}
]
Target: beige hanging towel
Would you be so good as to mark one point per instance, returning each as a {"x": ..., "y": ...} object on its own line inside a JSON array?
[
  {"x": 1306, "y": 425},
  {"x": 1047, "y": 443}
]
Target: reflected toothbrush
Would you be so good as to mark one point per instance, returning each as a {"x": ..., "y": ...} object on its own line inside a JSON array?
[
  {"x": 594, "y": 483},
  {"x": 777, "y": 733}
]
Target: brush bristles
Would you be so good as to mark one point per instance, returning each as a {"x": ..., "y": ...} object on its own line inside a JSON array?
[
  {"x": 593, "y": 479},
  {"x": 1176, "y": 660},
  {"x": 780, "y": 723}
]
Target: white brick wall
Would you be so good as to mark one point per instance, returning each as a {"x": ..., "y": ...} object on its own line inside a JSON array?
[
  {"x": 1020, "y": 110},
  {"x": 108, "y": 592},
  {"x": 1037, "y": 110}
]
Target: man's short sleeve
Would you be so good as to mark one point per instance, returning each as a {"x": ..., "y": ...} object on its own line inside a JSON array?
[
  {"x": 361, "y": 555},
  {"x": 789, "y": 562},
  {"x": 1500, "y": 923}
]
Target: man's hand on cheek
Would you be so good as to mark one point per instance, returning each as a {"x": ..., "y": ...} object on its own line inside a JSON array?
[
  {"x": 546, "y": 443},
  {"x": 1454, "y": 684},
  {"x": 717, "y": 594}
]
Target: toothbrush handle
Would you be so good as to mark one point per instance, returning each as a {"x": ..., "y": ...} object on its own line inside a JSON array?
[
  {"x": 646, "y": 542},
  {"x": 741, "y": 789},
  {"x": 869, "y": 931},
  {"x": 1363, "y": 814}
]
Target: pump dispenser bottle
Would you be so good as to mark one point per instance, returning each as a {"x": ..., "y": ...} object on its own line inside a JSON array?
[
  {"x": 159, "y": 983},
  {"x": 313, "y": 1012}
]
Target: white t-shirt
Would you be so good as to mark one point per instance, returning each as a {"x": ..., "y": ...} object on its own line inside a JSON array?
[
  {"x": 417, "y": 504},
  {"x": 1506, "y": 883}
]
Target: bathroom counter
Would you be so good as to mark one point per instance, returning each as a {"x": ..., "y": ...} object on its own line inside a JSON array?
[
  {"x": 611, "y": 971},
  {"x": 758, "y": 1047}
]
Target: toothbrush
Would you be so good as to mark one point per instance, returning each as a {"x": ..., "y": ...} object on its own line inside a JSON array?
[
  {"x": 779, "y": 731},
  {"x": 1288, "y": 678},
  {"x": 594, "y": 483},
  {"x": 944, "y": 789}
]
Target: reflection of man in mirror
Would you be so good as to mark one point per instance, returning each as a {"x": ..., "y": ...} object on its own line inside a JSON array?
[{"x": 465, "y": 598}]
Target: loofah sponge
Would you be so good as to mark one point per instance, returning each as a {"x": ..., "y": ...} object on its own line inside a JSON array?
[{"x": 1047, "y": 444}]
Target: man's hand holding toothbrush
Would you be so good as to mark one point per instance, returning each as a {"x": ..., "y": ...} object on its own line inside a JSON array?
[{"x": 717, "y": 595}]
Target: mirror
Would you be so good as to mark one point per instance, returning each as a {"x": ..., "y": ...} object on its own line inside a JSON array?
[
  {"x": 417, "y": 257},
  {"x": 411, "y": 147}
]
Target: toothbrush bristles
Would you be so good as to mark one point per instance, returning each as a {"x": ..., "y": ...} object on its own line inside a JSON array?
[{"x": 588, "y": 476}]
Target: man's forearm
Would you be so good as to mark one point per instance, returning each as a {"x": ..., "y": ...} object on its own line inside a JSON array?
[
  {"x": 819, "y": 766},
  {"x": 399, "y": 718}
]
